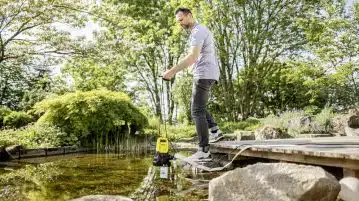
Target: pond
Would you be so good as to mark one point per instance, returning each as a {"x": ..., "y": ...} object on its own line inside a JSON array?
[{"x": 67, "y": 177}]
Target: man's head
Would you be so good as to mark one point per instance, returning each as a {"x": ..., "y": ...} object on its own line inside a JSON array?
[{"x": 184, "y": 17}]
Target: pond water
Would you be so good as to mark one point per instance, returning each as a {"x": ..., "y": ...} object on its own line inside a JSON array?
[{"x": 67, "y": 177}]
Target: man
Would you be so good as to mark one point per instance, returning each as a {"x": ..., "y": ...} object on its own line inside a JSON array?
[{"x": 206, "y": 72}]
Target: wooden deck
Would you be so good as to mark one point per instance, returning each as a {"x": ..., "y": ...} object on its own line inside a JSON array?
[{"x": 342, "y": 152}]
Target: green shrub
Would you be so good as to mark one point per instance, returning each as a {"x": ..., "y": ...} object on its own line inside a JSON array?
[
  {"x": 323, "y": 120},
  {"x": 44, "y": 135},
  {"x": 248, "y": 125},
  {"x": 37, "y": 136},
  {"x": 311, "y": 110},
  {"x": 291, "y": 120},
  {"x": 9, "y": 137},
  {"x": 4, "y": 111},
  {"x": 173, "y": 132},
  {"x": 17, "y": 119},
  {"x": 93, "y": 112},
  {"x": 282, "y": 120}
]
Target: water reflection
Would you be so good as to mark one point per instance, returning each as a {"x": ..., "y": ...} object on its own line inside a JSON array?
[{"x": 70, "y": 176}]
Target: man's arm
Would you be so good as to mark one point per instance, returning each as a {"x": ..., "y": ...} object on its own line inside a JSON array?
[{"x": 190, "y": 59}]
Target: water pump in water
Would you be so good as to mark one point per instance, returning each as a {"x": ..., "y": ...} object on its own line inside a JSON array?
[{"x": 162, "y": 156}]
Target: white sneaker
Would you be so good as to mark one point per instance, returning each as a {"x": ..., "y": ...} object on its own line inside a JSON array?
[
  {"x": 215, "y": 137},
  {"x": 199, "y": 155}
]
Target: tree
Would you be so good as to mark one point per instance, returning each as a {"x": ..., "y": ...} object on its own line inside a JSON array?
[
  {"x": 30, "y": 38},
  {"x": 150, "y": 42},
  {"x": 334, "y": 45}
]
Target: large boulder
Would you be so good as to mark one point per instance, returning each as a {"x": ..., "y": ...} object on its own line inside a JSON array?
[
  {"x": 275, "y": 181},
  {"x": 352, "y": 127},
  {"x": 349, "y": 189},
  {"x": 103, "y": 198},
  {"x": 268, "y": 132},
  {"x": 4, "y": 155},
  {"x": 14, "y": 149},
  {"x": 347, "y": 124},
  {"x": 339, "y": 123}
]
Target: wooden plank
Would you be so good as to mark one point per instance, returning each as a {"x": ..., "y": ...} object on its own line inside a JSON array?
[
  {"x": 303, "y": 157},
  {"x": 331, "y": 147},
  {"x": 295, "y": 141}
]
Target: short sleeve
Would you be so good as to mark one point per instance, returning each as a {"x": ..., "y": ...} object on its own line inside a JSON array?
[{"x": 197, "y": 37}]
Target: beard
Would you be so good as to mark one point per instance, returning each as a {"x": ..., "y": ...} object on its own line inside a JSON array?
[{"x": 185, "y": 26}]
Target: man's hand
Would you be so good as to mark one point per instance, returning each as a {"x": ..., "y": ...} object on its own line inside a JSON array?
[{"x": 168, "y": 74}]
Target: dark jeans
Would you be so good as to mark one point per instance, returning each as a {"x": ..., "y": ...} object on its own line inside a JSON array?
[{"x": 202, "y": 118}]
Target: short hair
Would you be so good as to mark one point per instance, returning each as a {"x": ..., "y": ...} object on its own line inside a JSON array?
[{"x": 183, "y": 10}]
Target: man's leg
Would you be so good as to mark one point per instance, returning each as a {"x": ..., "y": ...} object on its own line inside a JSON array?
[
  {"x": 211, "y": 123},
  {"x": 216, "y": 134},
  {"x": 200, "y": 95}
]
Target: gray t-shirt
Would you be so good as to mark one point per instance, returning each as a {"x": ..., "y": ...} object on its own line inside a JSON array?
[{"x": 206, "y": 67}]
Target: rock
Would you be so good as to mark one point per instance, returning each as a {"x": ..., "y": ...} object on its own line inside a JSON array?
[
  {"x": 13, "y": 149},
  {"x": 299, "y": 125},
  {"x": 347, "y": 124},
  {"x": 268, "y": 132},
  {"x": 4, "y": 155},
  {"x": 352, "y": 125},
  {"x": 351, "y": 131},
  {"x": 245, "y": 135},
  {"x": 353, "y": 121},
  {"x": 275, "y": 181},
  {"x": 339, "y": 122},
  {"x": 103, "y": 198},
  {"x": 349, "y": 189}
]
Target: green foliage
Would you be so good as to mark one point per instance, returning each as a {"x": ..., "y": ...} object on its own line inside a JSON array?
[
  {"x": 17, "y": 119},
  {"x": 37, "y": 136},
  {"x": 182, "y": 95},
  {"x": 44, "y": 135},
  {"x": 32, "y": 180},
  {"x": 324, "y": 119},
  {"x": 293, "y": 121},
  {"x": 89, "y": 74},
  {"x": 94, "y": 112},
  {"x": 231, "y": 127},
  {"x": 10, "y": 137},
  {"x": 282, "y": 120},
  {"x": 32, "y": 38},
  {"x": 4, "y": 111},
  {"x": 174, "y": 132},
  {"x": 311, "y": 110},
  {"x": 274, "y": 56}
]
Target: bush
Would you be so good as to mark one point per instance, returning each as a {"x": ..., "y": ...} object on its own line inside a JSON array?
[
  {"x": 282, "y": 120},
  {"x": 37, "y": 136},
  {"x": 174, "y": 132},
  {"x": 299, "y": 122},
  {"x": 4, "y": 111},
  {"x": 44, "y": 135},
  {"x": 9, "y": 137},
  {"x": 323, "y": 120},
  {"x": 248, "y": 125},
  {"x": 93, "y": 112},
  {"x": 17, "y": 119}
]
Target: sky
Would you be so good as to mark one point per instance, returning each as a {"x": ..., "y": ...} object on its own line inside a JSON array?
[{"x": 350, "y": 2}]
